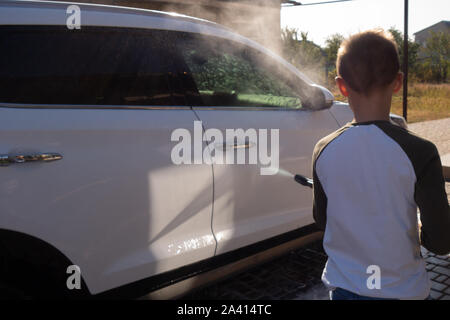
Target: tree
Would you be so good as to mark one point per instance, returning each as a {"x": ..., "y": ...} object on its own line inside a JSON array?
[
  {"x": 437, "y": 52},
  {"x": 332, "y": 45},
  {"x": 307, "y": 56},
  {"x": 413, "y": 49},
  {"x": 289, "y": 38}
]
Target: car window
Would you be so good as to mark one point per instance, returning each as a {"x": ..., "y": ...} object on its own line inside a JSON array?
[
  {"x": 226, "y": 73},
  {"x": 94, "y": 66}
]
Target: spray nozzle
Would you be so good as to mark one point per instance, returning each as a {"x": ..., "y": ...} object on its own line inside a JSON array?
[{"x": 303, "y": 180}]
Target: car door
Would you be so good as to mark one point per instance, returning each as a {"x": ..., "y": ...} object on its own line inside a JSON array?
[
  {"x": 233, "y": 86},
  {"x": 107, "y": 100}
]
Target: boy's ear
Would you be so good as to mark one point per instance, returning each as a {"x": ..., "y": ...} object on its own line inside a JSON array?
[
  {"x": 342, "y": 86},
  {"x": 398, "y": 82}
]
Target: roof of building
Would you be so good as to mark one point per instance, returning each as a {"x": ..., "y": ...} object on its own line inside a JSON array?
[{"x": 445, "y": 22}]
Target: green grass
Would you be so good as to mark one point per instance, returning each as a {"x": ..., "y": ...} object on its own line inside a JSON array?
[{"x": 425, "y": 102}]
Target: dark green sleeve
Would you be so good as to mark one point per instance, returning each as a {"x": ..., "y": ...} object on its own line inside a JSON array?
[
  {"x": 431, "y": 199},
  {"x": 319, "y": 196},
  {"x": 319, "y": 203}
]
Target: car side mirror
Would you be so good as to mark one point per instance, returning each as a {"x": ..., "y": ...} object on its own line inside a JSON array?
[{"x": 317, "y": 97}]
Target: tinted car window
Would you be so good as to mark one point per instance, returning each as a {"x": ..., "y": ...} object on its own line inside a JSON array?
[
  {"x": 98, "y": 66},
  {"x": 226, "y": 73}
]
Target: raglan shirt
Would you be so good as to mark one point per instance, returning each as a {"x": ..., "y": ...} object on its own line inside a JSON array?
[{"x": 369, "y": 179}]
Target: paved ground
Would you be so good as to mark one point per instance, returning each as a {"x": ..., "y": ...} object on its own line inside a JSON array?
[
  {"x": 296, "y": 276},
  {"x": 438, "y": 131},
  {"x": 290, "y": 277}
]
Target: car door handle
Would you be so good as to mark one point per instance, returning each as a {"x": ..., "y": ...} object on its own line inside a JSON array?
[{"x": 6, "y": 160}]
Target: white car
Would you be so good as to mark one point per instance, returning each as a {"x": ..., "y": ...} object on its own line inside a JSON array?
[{"x": 87, "y": 179}]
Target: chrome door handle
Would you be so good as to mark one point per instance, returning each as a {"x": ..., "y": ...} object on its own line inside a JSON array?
[{"x": 6, "y": 160}]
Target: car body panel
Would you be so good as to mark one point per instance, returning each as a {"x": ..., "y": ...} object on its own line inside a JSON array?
[
  {"x": 250, "y": 207},
  {"x": 115, "y": 205},
  {"x": 341, "y": 112}
]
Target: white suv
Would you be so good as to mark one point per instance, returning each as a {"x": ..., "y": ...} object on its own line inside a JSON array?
[{"x": 87, "y": 179}]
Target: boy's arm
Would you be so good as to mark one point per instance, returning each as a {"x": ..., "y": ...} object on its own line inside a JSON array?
[
  {"x": 319, "y": 197},
  {"x": 319, "y": 202},
  {"x": 431, "y": 199}
]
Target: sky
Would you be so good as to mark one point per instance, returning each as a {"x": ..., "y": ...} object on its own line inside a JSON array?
[{"x": 347, "y": 18}]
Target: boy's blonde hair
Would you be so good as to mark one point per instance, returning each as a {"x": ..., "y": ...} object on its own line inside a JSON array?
[{"x": 368, "y": 60}]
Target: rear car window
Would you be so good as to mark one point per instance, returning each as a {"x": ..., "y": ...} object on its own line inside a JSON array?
[{"x": 91, "y": 66}]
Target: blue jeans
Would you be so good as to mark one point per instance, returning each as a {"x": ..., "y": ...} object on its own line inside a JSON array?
[{"x": 342, "y": 294}]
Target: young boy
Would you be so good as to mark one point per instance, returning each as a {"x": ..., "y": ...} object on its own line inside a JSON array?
[{"x": 369, "y": 177}]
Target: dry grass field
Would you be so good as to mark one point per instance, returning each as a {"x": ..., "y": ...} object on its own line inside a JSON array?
[{"x": 425, "y": 102}]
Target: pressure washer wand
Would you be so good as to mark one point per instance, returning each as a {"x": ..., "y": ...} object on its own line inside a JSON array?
[{"x": 303, "y": 180}]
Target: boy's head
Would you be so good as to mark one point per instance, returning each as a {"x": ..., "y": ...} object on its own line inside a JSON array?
[{"x": 367, "y": 61}]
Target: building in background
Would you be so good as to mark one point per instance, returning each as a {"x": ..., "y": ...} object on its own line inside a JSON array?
[
  {"x": 256, "y": 19},
  {"x": 422, "y": 35}
]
